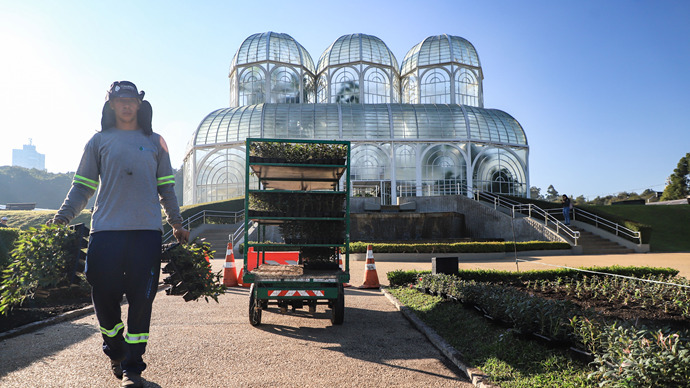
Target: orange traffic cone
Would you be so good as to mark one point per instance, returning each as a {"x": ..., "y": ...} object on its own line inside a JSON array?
[
  {"x": 229, "y": 274},
  {"x": 342, "y": 266},
  {"x": 239, "y": 279},
  {"x": 371, "y": 278}
]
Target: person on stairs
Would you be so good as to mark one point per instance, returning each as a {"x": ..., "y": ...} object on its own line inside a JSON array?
[{"x": 567, "y": 205}]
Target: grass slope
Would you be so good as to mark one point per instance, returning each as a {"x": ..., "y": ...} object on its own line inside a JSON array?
[{"x": 670, "y": 226}]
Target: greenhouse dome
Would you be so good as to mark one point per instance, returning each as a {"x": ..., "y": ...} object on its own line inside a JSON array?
[
  {"x": 416, "y": 130},
  {"x": 357, "y": 68},
  {"x": 442, "y": 69},
  {"x": 271, "y": 67}
]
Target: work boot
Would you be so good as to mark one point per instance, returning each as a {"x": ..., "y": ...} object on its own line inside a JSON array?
[
  {"x": 116, "y": 367},
  {"x": 132, "y": 380}
]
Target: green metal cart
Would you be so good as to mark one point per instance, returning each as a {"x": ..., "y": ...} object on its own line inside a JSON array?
[{"x": 294, "y": 185}]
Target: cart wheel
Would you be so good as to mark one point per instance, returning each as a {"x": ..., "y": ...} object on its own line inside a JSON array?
[
  {"x": 339, "y": 307},
  {"x": 254, "y": 310}
]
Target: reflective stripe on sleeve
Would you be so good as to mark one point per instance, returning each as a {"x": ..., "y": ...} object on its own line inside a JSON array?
[
  {"x": 90, "y": 183},
  {"x": 132, "y": 338},
  {"x": 113, "y": 332},
  {"x": 165, "y": 180}
]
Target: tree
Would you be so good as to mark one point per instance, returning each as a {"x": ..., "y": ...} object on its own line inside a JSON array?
[
  {"x": 535, "y": 193},
  {"x": 679, "y": 184},
  {"x": 551, "y": 193},
  {"x": 580, "y": 200}
]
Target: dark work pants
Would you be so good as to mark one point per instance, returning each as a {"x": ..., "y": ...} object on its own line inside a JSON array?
[{"x": 124, "y": 263}]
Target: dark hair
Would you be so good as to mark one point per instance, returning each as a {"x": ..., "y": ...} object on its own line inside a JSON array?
[{"x": 144, "y": 117}]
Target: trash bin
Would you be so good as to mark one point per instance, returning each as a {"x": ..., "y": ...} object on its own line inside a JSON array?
[{"x": 446, "y": 265}]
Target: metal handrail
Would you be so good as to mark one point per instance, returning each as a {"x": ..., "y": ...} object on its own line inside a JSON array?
[
  {"x": 531, "y": 210},
  {"x": 612, "y": 227},
  {"x": 548, "y": 215},
  {"x": 535, "y": 212},
  {"x": 203, "y": 216}
]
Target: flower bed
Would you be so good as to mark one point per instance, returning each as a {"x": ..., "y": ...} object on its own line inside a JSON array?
[{"x": 623, "y": 349}]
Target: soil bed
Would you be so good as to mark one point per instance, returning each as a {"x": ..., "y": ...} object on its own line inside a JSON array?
[
  {"x": 34, "y": 310},
  {"x": 632, "y": 312}
]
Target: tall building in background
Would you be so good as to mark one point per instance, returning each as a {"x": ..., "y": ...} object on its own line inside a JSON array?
[
  {"x": 28, "y": 157},
  {"x": 418, "y": 128}
]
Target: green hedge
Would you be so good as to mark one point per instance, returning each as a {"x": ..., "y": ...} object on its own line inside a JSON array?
[
  {"x": 401, "y": 278},
  {"x": 461, "y": 247},
  {"x": 7, "y": 238}
]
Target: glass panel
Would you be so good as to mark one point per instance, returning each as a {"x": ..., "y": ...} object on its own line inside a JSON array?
[
  {"x": 233, "y": 90},
  {"x": 326, "y": 122},
  {"x": 353, "y": 121},
  {"x": 405, "y": 163},
  {"x": 499, "y": 171},
  {"x": 269, "y": 121},
  {"x": 305, "y": 124},
  {"x": 410, "y": 62},
  {"x": 466, "y": 88},
  {"x": 309, "y": 93},
  {"x": 443, "y": 170},
  {"x": 202, "y": 131},
  {"x": 459, "y": 123},
  {"x": 345, "y": 86},
  {"x": 410, "y": 93},
  {"x": 369, "y": 163},
  {"x": 322, "y": 90},
  {"x": 284, "y": 86},
  {"x": 251, "y": 86},
  {"x": 221, "y": 175},
  {"x": 435, "y": 87},
  {"x": 376, "y": 86},
  {"x": 223, "y": 127},
  {"x": 251, "y": 124},
  {"x": 476, "y": 133}
]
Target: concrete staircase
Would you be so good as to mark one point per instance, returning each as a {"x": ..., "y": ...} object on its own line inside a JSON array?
[
  {"x": 593, "y": 244},
  {"x": 217, "y": 236}
]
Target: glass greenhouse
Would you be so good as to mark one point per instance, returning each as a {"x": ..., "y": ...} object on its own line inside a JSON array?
[{"x": 417, "y": 129}]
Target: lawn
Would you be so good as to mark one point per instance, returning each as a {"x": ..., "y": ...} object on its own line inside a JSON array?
[{"x": 670, "y": 224}]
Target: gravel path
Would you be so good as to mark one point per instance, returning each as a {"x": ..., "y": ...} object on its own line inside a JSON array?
[{"x": 199, "y": 344}]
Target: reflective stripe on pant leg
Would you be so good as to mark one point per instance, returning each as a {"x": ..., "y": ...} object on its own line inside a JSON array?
[
  {"x": 114, "y": 331},
  {"x": 140, "y": 338}
]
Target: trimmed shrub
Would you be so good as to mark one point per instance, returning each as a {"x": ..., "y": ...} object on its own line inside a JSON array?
[{"x": 7, "y": 238}]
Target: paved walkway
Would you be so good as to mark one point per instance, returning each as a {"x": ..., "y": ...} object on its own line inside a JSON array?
[{"x": 199, "y": 344}]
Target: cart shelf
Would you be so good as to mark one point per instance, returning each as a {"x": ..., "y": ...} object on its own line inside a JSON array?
[{"x": 299, "y": 177}]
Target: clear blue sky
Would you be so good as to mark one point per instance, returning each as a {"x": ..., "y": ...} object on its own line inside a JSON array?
[{"x": 602, "y": 88}]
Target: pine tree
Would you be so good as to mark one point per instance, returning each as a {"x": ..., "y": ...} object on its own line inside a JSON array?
[
  {"x": 551, "y": 193},
  {"x": 679, "y": 185}
]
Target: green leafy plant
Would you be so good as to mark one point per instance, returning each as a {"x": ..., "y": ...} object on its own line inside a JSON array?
[
  {"x": 323, "y": 153},
  {"x": 7, "y": 238},
  {"x": 400, "y": 278},
  {"x": 190, "y": 273},
  {"x": 43, "y": 258},
  {"x": 636, "y": 357}
]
